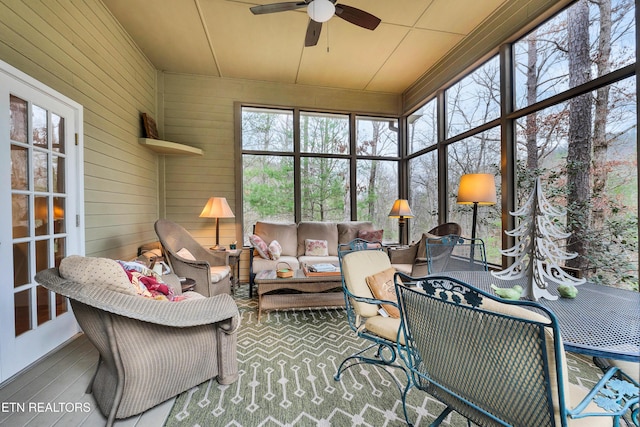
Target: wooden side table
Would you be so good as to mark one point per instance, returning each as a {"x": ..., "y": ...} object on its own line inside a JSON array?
[
  {"x": 233, "y": 259},
  {"x": 187, "y": 284}
]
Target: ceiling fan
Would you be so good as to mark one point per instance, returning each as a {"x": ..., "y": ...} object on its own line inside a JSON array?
[{"x": 320, "y": 11}]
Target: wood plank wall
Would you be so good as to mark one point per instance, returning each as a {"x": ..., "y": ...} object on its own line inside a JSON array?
[
  {"x": 80, "y": 50},
  {"x": 199, "y": 111}
]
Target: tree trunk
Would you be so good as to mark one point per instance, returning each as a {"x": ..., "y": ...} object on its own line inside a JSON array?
[
  {"x": 371, "y": 191},
  {"x": 600, "y": 139},
  {"x": 532, "y": 96},
  {"x": 579, "y": 149}
]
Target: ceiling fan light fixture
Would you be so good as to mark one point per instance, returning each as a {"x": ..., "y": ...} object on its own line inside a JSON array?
[{"x": 321, "y": 10}]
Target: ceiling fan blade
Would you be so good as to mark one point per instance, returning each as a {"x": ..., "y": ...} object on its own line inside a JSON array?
[
  {"x": 358, "y": 17},
  {"x": 313, "y": 33},
  {"x": 277, "y": 7}
]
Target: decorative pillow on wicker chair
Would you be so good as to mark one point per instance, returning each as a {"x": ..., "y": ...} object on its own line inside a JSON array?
[
  {"x": 371, "y": 235},
  {"x": 102, "y": 272},
  {"x": 186, "y": 254},
  {"x": 259, "y": 245},
  {"x": 382, "y": 287},
  {"x": 275, "y": 250},
  {"x": 316, "y": 247}
]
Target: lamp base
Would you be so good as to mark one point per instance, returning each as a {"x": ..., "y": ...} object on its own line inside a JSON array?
[{"x": 218, "y": 248}]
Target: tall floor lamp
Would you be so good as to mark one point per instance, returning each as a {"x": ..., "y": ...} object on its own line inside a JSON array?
[
  {"x": 217, "y": 207},
  {"x": 477, "y": 189},
  {"x": 401, "y": 210}
]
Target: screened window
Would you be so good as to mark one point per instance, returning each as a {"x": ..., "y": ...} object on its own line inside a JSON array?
[
  {"x": 548, "y": 64},
  {"x": 318, "y": 172},
  {"x": 475, "y": 99}
]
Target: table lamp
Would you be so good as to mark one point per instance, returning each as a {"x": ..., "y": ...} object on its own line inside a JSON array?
[
  {"x": 217, "y": 207},
  {"x": 476, "y": 189},
  {"x": 401, "y": 210}
]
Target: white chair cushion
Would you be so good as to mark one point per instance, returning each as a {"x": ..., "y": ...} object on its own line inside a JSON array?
[
  {"x": 356, "y": 266},
  {"x": 219, "y": 272}
]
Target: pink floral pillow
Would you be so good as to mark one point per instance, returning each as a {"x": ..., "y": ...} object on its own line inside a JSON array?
[
  {"x": 371, "y": 235},
  {"x": 316, "y": 247},
  {"x": 275, "y": 250},
  {"x": 260, "y": 246}
]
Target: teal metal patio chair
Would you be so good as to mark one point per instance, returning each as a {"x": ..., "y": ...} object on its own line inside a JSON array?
[
  {"x": 498, "y": 362},
  {"x": 358, "y": 260},
  {"x": 455, "y": 253}
]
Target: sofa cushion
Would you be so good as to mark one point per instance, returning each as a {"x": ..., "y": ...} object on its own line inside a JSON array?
[
  {"x": 317, "y": 231},
  {"x": 309, "y": 260},
  {"x": 102, "y": 272},
  {"x": 260, "y": 264},
  {"x": 284, "y": 233},
  {"x": 371, "y": 235},
  {"x": 347, "y": 231}
]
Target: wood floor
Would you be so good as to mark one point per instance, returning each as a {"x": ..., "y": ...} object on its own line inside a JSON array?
[{"x": 60, "y": 380}]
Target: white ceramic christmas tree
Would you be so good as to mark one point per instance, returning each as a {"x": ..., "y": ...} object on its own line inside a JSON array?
[{"x": 537, "y": 256}]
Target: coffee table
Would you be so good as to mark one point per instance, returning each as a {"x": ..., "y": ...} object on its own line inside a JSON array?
[{"x": 307, "y": 291}]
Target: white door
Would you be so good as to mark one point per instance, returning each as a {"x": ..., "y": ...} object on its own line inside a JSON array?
[{"x": 40, "y": 216}]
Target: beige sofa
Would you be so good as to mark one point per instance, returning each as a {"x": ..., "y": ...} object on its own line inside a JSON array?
[{"x": 292, "y": 239}]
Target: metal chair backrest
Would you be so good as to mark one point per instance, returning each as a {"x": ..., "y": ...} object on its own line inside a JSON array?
[
  {"x": 493, "y": 362},
  {"x": 455, "y": 253}
]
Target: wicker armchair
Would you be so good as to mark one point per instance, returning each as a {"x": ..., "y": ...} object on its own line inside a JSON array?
[
  {"x": 412, "y": 260},
  {"x": 149, "y": 350},
  {"x": 188, "y": 258}
]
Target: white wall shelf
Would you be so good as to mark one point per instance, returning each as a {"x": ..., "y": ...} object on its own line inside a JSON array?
[{"x": 170, "y": 148}]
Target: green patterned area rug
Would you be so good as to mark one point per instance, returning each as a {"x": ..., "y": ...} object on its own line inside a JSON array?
[{"x": 287, "y": 362}]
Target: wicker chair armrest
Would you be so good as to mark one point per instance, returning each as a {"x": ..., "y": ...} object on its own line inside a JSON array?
[
  {"x": 213, "y": 258},
  {"x": 177, "y": 314}
]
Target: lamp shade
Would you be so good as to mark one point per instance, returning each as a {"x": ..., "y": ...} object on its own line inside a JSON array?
[
  {"x": 401, "y": 209},
  {"x": 217, "y": 207},
  {"x": 321, "y": 10},
  {"x": 477, "y": 188}
]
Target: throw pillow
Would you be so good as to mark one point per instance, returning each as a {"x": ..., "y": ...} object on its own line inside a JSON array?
[
  {"x": 316, "y": 247},
  {"x": 275, "y": 250},
  {"x": 382, "y": 287},
  {"x": 101, "y": 272},
  {"x": 186, "y": 254},
  {"x": 259, "y": 245},
  {"x": 371, "y": 235}
]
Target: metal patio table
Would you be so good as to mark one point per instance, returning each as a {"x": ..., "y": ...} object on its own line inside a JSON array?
[{"x": 600, "y": 322}]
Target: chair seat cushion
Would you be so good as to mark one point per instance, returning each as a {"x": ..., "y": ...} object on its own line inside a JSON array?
[
  {"x": 260, "y": 264},
  {"x": 576, "y": 394},
  {"x": 219, "y": 272},
  {"x": 385, "y": 327},
  {"x": 309, "y": 260}
]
